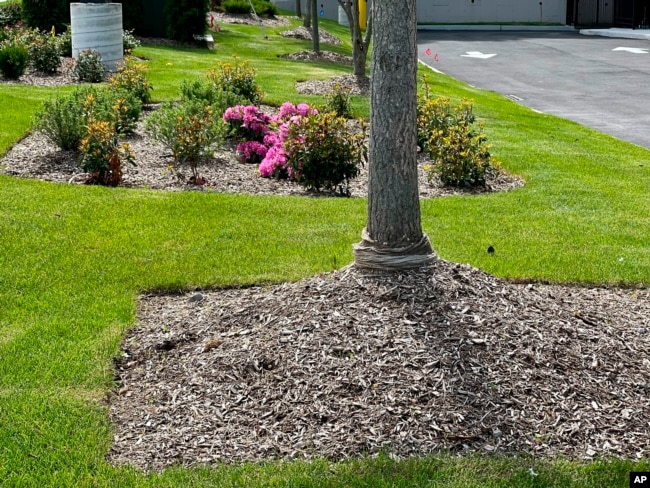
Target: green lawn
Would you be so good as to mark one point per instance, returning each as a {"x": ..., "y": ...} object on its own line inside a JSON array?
[{"x": 73, "y": 260}]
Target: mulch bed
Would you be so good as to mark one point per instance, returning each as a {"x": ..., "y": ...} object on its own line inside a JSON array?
[{"x": 351, "y": 363}]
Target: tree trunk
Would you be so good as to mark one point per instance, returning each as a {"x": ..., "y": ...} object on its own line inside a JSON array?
[
  {"x": 298, "y": 9},
  {"x": 360, "y": 44},
  {"x": 393, "y": 237},
  {"x": 307, "y": 19},
  {"x": 315, "y": 36}
]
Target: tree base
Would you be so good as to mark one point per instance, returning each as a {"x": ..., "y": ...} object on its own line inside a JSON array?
[{"x": 370, "y": 254}]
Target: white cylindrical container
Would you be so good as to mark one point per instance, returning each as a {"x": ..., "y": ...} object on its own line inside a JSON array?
[
  {"x": 343, "y": 19},
  {"x": 98, "y": 26}
]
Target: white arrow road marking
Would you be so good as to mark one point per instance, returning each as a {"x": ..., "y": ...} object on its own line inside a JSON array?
[
  {"x": 634, "y": 50},
  {"x": 477, "y": 54}
]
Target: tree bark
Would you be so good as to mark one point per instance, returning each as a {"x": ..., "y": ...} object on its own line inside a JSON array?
[
  {"x": 307, "y": 19},
  {"x": 315, "y": 36},
  {"x": 360, "y": 43},
  {"x": 393, "y": 237},
  {"x": 298, "y": 9}
]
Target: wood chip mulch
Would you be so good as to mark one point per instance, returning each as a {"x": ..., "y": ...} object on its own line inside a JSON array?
[
  {"x": 305, "y": 34},
  {"x": 35, "y": 157},
  {"x": 328, "y": 56},
  {"x": 351, "y": 363}
]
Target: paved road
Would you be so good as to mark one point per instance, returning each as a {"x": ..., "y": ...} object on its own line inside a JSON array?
[{"x": 586, "y": 79}]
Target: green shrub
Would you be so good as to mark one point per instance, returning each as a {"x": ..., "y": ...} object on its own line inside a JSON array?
[
  {"x": 10, "y": 13},
  {"x": 238, "y": 78},
  {"x": 321, "y": 153},
  {"x": 88, "y": 67},
  {"x": 118, "y": 106},
  {"x": 236, "y": 6},
  {"x": 44, "y": 54},
  {"x": 210, "y": 94},
  {"x": 338, "y": 101},
  {"x": 62, "y": 120},
  {"x": 102, "y": 155},
  {"x": 45, "y": 14},
  {"x": 190, "y": 131},
  {"x": 132, "y": 77},
  {"x": 262, "y": 7},
  {"x": 13, "y": 61},
  {"x": 457, "y": 147},
  {"x": 24, "y": 36},
  {"x": 185, "y": 18},
  {"x": 268, "y": 9},
  {"x": 65, "y": 43},
  {"x": 129, "y": 42}
]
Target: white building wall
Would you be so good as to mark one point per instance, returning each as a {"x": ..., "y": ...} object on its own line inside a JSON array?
[
  {"x": 465, "y": 11},
  {"x": 491, "y": 11},
  {"x": 328, "y": 8}
]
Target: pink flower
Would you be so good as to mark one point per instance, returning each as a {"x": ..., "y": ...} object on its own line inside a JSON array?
[
  {"x": 234, "y": 113},
  {"x": 303, "y": 110},
  {"x": 251, "y": 151},
  {"x": 274, "y": 163}
]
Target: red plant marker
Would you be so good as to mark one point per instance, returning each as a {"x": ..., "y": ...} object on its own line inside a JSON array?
[
  {"x": 428, "y": 52},
  {"x": 436, "y": 58}
]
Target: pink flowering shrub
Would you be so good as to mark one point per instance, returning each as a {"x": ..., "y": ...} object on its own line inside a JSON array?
[
  {"x": 297, "y": 143},
  {"x": 247, "y": 122},
  {"x": 321, "y": 154},
  {"x": 262, "y": 137},
  {"x": 274, "y": 164},
  {"x": 251, "y": 151},
  {"x": 288, "y": 110}
]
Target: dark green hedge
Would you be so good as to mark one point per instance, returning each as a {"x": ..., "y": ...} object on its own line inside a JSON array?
[
  {"x": 186, "y": 18},
  {"x": 43, "y": 14}
]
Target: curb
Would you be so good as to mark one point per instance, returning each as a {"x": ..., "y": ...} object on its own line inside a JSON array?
[{"x": 496, "y": 27}]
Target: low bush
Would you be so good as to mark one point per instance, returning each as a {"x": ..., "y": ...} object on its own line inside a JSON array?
[
  {"x": 45, "y": 54},
  {"x": 20, "y": 36},
  {"x": 247, "y": 123},
  {"x": 190, "y": 130},
  {"x": 131, "y": 77},
  {"x": 129, "y": 42},
  {"x": 88, "y": 67},
  {"x": 236, "y": 77},
  {"x": 63, "y": 119},
  {"x": 13, "y": 61},
  {"x": 118, "y": 106},
  {"x": 216, "y": 97},
  {"x": 274, "y": 164},
  {"x": 457, "y": 147},
  {"x": 65, "y": 42},
  {"x": 102, "y": 155},
  {"x": 262, "y": 7},
  {"x": 321, "y": 154},
  {"x": 338, "y": 101},
  {"x": 236, "y": 6},
  {"x": 10, "y": 13}
]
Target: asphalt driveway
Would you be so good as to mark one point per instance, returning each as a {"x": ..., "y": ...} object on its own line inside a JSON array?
[{"x": 600, "y": 82}]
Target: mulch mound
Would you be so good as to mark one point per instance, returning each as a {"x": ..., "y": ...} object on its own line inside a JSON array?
[
  {"x": 351, "y": 363},
  {"x": 305, "y": 34}
]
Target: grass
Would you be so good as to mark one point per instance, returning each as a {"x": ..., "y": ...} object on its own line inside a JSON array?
[{"x": 73, "y": 259}]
